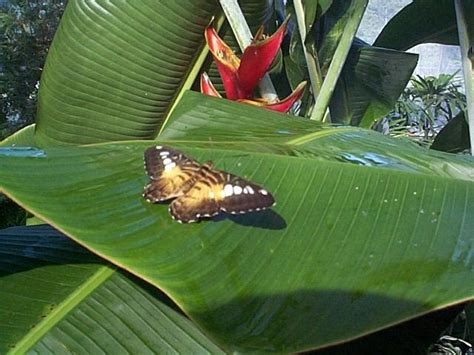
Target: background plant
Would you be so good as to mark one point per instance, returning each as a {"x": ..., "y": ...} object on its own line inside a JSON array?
[
  {"x": 26, "y": 31},
  {"x": 424, "y": 108}
]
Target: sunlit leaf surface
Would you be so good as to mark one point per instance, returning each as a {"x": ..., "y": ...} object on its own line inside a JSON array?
[
  {"x": 115, "y": 68},
  {"x": 389, "y": 232}
]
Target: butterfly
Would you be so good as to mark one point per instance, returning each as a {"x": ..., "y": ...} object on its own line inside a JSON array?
[{"x": 198, "y": 190}]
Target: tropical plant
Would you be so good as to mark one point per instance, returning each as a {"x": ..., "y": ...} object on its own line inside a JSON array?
[
  {"x": 425, "y": 107},
  {"x": 26, "y": 31},
  {"x": 368, "y": 231},
  {"x": 241, "y": 76},
  {"x": 450, "y": 22}
]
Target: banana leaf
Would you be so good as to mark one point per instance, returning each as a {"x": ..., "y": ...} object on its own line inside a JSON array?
[
  {"x": 56, "y": 295},
  {"x": 356, "y": 212},
  {"x": 370, "y": 84},
  {"x": 438, "y": 25},
  {"x": 115, "y": 69},
  {"x": 454, "y": 137},
  {"x": 355, "y": 244}
]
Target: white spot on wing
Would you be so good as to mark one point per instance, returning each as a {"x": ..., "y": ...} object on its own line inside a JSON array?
[
  {"x": 237, "y": 190},
  {"x": 228, "y": 190},
  {"x": 263, "y": 192},
  {"x": 166, "y": 161},
  {"x": 246, "y": 190},
  {"x": 249, "y": 188},
  {"x": 159, "y": 147},
  {"x": 164, "y": 153},
  {"x": 170, "y": 166}
]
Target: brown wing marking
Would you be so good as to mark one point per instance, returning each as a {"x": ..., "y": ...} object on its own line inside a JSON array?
[
  {"x": 242, "y": 196},
  {"x": 197, "y": 203},
  {"x": 216, "y": 191},
  {"x": 171, "y": 173}
]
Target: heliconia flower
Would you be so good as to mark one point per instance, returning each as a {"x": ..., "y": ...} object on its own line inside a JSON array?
[
  {"x": 281, "y": 106},
  {"x": 206, "y": 86},
  {"x": 240, "y": 76}
]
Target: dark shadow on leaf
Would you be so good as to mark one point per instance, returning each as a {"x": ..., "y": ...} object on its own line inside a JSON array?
[
  {"x": 350, "y": 322},
  {"x": 267, "y": 219},
  {"x": 26, "y": 247},
  {"x": 413, "y": 337},
  {"x": 283, "y": 322}
]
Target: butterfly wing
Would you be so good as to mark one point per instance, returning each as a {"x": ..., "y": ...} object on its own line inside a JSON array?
[
  {"x": 171, "y": 173},
  {"x": 197, "y": 203},
  {"x": 240, "y": 196},
  {"x": 216, "y": 191}
]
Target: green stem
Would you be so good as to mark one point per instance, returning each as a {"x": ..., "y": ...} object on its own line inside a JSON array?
[
  {"x": 244, "y": 38},
  {"x": 467, "y": 66},
  {"x": 340, "y": 55},
  {"x": 312, "y": 62}
]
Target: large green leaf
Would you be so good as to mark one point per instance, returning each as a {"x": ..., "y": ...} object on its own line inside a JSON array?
[
  {"x": 422, "y": 21},
  {"x": 371, "y": 82},
  {"x": 454, "y": 137},
  {"x": 348, "y": 249},
  {"x": 202, "y": 119},
  {"x": 115, "y": 67},
  {"x": 55, "y": 295},
  {"x": 23, "y": 137}
]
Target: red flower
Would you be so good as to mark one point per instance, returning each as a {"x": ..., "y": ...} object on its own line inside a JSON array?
[{"x": 240, "y": 76}]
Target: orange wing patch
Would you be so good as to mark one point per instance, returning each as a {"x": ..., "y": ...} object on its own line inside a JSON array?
[
  {"x": 199, "y": 202},
  {"x": 200, "y": 191}
]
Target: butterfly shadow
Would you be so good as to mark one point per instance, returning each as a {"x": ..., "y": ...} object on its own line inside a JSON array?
[{"x": 267, "y": 219}]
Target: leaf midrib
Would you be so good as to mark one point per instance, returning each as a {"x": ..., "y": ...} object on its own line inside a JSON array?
[
  {"x": 63, "y": 309},
  {"x": 190, "y": 76}
]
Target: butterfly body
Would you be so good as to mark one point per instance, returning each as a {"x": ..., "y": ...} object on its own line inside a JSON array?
[{"x": 199, "y": 191}]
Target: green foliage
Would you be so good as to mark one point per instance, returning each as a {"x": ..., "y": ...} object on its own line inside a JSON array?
[
  {"x": 336, "y": 200},
  {"x": 405, "y": 30},
  {"x": 356, "y": 212},
  {"x": 10, "y": 213},
  {"x": 26, "y": 31},
  {"x": 425, "y": 107},
  {"x": 362, "y": 90},
  {"x": 454, "y": 137},
  {"x": 72, "y": 291}
]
